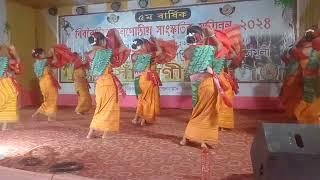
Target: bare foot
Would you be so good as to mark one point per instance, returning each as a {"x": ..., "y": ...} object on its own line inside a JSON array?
[
  {"x": 135, "y": 121},
  {"x": 34, "y": 116},
  {"x": 222, "y": 129},
  {"x": 183, "y": 142},
  {"x": 204, "y": 146},
  {"x": 80, "y": 113},
  {"x": 143, "y": 122},
  {"x": 89, "y": 136},
  {"x": 104, "y": 136},
  {"x": 51, "y": 119}
]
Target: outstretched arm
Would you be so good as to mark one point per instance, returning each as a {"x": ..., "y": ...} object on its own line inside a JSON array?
[{"x": 14, "y": 53}]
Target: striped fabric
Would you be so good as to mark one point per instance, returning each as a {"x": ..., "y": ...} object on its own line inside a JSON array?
[{"x": 8, "y": 101}]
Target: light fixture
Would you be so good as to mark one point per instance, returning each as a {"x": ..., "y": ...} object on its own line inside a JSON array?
[
  {"x": 53, "y": 11},
  {"x": 203, "y": 0},
  {"x": 81, "y": 10},
  {"x": 143, "y": 3},
  {"x": 115, "y": 5}
]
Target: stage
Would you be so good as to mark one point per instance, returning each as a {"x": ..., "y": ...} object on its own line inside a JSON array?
[{"x": 150, "y": 152}]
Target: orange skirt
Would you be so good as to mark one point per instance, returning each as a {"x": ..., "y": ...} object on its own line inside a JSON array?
[
  {"x": 203, "y": 125},
  {"x": 82, "y": 89},
  {"x": 291, "y": 93},
  {"x": 107, "y": 114},
  {"x": 50, "y": 95},
  {"x": 148, "y": 105},
  {"x": 307, "y": 113},
  {"x": 9, "y": 111},
  {"x": 226, "y": 114}
]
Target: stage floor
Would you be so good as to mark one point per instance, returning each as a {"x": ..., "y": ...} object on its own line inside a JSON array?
[{"x": 152, "y": 152}]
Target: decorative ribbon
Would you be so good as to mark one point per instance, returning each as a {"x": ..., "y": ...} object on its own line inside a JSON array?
[
  {"x": 16, "y": 84},
  {"x": 55, "y": 83},
  {"x": 217, "y": 82},
  {"x": 233, "y": 82},
  {"x": 154, "y": 77},
  {"x": 118, "y": 85}
]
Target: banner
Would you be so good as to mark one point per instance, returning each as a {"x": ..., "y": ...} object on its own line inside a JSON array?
[{"x": 267, "y": 29}]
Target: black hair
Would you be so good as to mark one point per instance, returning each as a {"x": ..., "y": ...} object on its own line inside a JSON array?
[
  {"x": 193, "y": 29},
  {"x": 309, "y": 36},
  {"x": 37, "y": 51},
  {"x": 137, "y": 42},
  {"x": 96, "y": 38}
]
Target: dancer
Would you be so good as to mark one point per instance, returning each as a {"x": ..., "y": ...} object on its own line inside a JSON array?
[
  {"x": 307, "y": 52},
  {"x": 203, "y": 125},
  {"x": 48, "y": 84},
  {"x": 10, "y": 65},
  {"x": 229, "y": 51},
  {"x": 81, "y": 85},
  {"x": 147, "y": 81},
  {"x": 107, "y": 53},
  {"x": 58, "y": 56}
]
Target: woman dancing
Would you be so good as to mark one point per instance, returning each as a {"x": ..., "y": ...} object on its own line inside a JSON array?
[
  {"x": 81, "y": 85},
  {"x": 229, "y": 51},
  {"x": 10, "y": 66},
  {"x": 307, "y": 52},
  {"x": 203, "y": 125},
  {"x": 48, "y": 84},
  {"x": 107, "y": 53},
  {"x": 147, "y": 81}
]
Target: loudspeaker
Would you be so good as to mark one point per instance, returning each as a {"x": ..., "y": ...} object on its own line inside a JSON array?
[{"x": 286, "y": 152}]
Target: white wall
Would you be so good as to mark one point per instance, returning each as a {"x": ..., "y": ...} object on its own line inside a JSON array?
[{"x": 3, "y": 17}]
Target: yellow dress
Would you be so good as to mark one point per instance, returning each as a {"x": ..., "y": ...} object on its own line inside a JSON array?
[
  {"x": 203, "y": 125},
  {"x": 49, "y": 93},
  {"x": 226, "y": 114},
  {"x": 107, "y": 113},
  {"x": 8, "y": 101},
  {"x": 148, "y": 105},
  {"x": 82, "y": 89}
]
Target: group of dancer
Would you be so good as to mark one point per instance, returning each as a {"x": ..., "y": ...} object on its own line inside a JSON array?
[
  {"x": 211, "y": 57},
  {"x": 300, "y": 93}
]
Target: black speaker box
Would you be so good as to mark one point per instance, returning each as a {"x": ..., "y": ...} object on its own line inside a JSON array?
[{"x": 286, "y": 152}]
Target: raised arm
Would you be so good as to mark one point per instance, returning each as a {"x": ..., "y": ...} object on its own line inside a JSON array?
[
  {"x": 53, "y": 55},
  {"x": 122, "y": 45},
  {"x": 15, "y": 63},
  {"x": 159, "y": 50},
  {"x": 210, "y": 34}
]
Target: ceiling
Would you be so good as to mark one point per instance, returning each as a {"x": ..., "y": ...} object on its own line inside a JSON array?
[{"x": 57, "y": 3}]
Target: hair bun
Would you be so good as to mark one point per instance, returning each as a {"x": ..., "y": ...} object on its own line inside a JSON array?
[
  {"x": 92, "y": 40},
  {"x": 134, "y": 46},
  {"x": 36, "y": 52}
]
